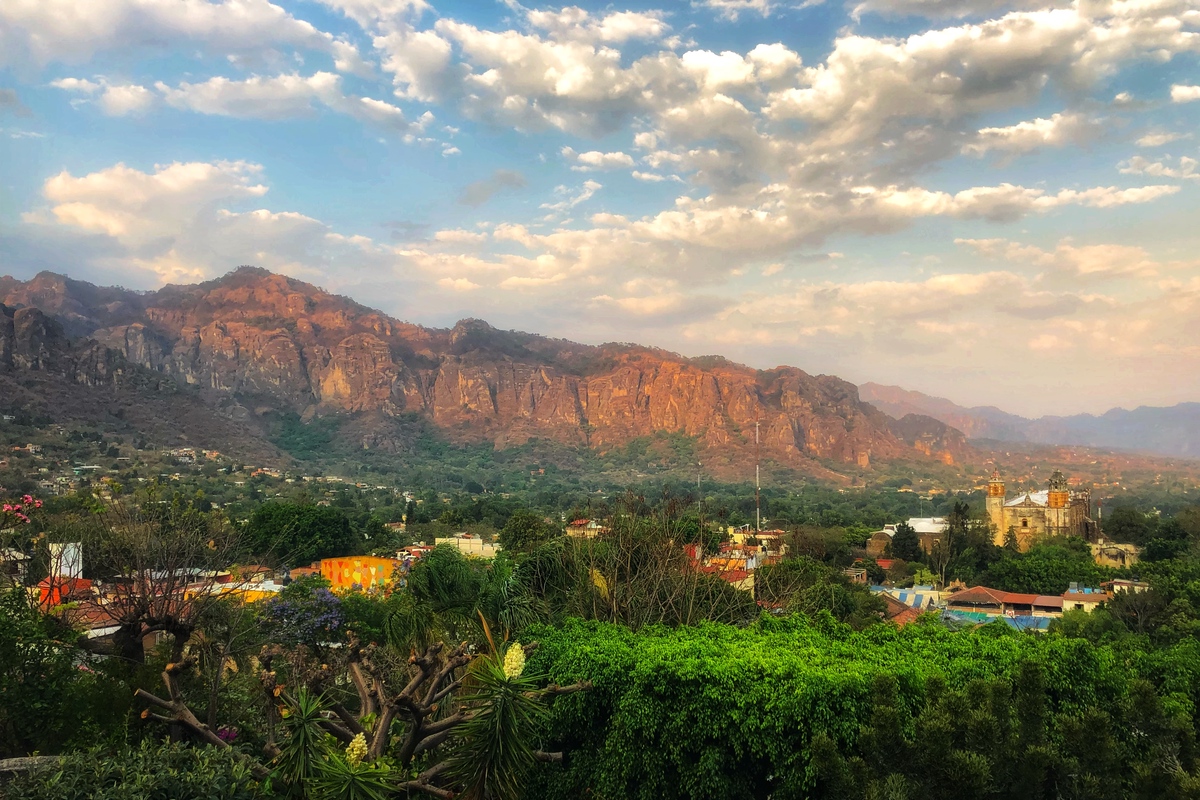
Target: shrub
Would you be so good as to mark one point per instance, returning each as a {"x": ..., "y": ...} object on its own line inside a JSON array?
[{"x": 152, "y": 771}]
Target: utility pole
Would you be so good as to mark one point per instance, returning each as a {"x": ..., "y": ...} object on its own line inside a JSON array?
[{"x": 757, "y": 505}]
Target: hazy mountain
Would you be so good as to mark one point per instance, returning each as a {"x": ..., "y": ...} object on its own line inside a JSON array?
[{"x": 1170, "y": 431}]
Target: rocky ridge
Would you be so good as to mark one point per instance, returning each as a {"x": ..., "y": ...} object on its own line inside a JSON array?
[{"x": 275, "y": 343}]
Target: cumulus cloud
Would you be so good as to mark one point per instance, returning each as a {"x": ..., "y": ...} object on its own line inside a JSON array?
[
  {"x": 594, "y": 160},
  {"x": 479, "y": 192},
  {"x": 1058, "y": 130},
  {"x": 940, "y": 8},
  {"x": 370, "y": 13},
  {"x": 1161, "y": 139},
  {"x": 574, "y": 23},
  {"x": 114, "y": 99},
  {"x": 732, "y": 9},
  {"x": 45, "y": 31},
  {"x": 1181, "y": 93},
  {"x": 1138, "y": 165},
  {"x": 1074, "y": 261},
  {"x": 273, "y": 97}
]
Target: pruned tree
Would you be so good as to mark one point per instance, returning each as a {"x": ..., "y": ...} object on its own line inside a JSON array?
[{"x": 161, "y": 566}]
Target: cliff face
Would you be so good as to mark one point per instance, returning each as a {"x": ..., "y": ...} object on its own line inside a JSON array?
[{"x": 288, "y": 345}]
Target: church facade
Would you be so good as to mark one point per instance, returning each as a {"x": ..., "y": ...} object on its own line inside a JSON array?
[{"x": 1031, "y": 516}]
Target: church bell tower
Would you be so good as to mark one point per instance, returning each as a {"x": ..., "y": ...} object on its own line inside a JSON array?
[
  {"x": 1058, "y": 500},
  {"x": 995, "y": 506}
]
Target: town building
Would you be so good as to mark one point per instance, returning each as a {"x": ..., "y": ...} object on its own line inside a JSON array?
[
  {"x": 586, "y": 528},
  {"x": 1112, "y": 554},
  {"x": 1056, "y": 510},
  {"x": 929, "y": 530},
  {"x": 359, "y": 572},
  {"x": 470, "y": 546}
]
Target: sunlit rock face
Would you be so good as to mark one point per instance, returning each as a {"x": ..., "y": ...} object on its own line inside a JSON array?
[{"x": 293, "y": 346}]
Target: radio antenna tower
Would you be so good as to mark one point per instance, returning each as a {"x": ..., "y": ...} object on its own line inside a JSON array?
[{"x": 757, "y": 507}]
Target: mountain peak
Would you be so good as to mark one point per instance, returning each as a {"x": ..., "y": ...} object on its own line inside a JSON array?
[{"x": 286, "y": 345}]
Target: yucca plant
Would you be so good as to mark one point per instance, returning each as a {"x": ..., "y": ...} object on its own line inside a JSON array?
[
  {"x": 307, "y": 743},
  {"x": 348, "y": 777},
  {"x": 495, "y": 748}
]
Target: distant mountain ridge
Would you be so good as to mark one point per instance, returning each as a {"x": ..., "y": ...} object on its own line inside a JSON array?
[
  {"x": 253, "y": 342},
  {"x": 1168, "y": 431}
]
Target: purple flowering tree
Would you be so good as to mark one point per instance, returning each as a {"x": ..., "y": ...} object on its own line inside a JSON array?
[{"x": 305, "y": 613}]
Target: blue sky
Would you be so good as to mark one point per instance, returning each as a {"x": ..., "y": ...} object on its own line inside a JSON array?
[{"x": 990, "y": 200}]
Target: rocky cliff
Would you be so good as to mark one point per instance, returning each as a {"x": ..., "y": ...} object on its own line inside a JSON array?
[{"x": 276, "y": 343}]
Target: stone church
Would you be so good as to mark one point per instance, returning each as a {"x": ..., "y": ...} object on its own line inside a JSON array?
[{"x": 1053, "y": 511}]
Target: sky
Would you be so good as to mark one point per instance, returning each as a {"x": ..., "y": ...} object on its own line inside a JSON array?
[{"x": 993, "y": 201}]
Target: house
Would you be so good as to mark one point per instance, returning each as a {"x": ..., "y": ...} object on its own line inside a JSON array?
[
  {"x": 879, "y": 541},
  {"x": 982, "y": 600},
  {"x": 1111, "y": 554},
  {"x": 586, "y": 529},
  {"x": 739, "y": 579},
  {"x": 56, "y": 590},
  {"x": 470, "y": 546},
  {"x": 1077, "y": 599},
  {"x": 919, "y": 597},
  {"x": 898, "y": 612},
  {"x": 1122, "y": 585},
  {"x": 930, "y": 530}
]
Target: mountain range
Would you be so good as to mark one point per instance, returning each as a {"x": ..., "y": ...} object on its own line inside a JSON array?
[
  {"x": 1170, "y": 431},
  {"x": 216, "y": 359}
]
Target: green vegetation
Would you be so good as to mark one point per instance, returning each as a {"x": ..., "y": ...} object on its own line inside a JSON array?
[
  {"x": 301, "y": 533},
  {"x": 805, "y": 707},
  {"x": 149, "y": 771}
]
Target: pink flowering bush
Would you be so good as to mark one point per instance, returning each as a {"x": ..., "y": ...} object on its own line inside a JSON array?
[{"x": 19, "y": 511}]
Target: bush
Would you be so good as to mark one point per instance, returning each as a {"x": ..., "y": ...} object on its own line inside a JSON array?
[
  {"x": 789, "y": 708},
  {"x": 153, "y": 771}
]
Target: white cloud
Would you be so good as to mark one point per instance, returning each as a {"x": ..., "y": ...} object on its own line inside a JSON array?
[
  {"x": 732, "y": 9},
  {"x": 458, "y": 284},
  {"x": 1184, "y": 94},
  {"x": 1139, "y": 165},
  {"x": 594, "y": 160},
  {"x": 45, "y": 31},
  {"x": 574, "y": 23},
  {"x": 569, "y": 201},
  {"x": 940, "y": 8},
  {"x": 274, "y": 97},
  {"x": 114, "y": 99},
  {"x": 1160, "y": 139},
  {"x": 1074, "y": 261},
  {"x": 370, "y": 13},
  {"x": 1058, "y": 130},
  {"x": 459, "y": 235}
]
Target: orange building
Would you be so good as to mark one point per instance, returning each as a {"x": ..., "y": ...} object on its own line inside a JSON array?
[{"x": 359, "y": 572}]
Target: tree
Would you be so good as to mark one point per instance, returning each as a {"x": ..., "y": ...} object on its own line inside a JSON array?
[
  {"x": 524, "y": 531},
  {"x": 160, "y": 565},
  {"x": 906, "y": 544},
  {"x": 300, "y": 533},
  {"x": 1127, "y": 524},
  {"x": 461, "y": 725}
]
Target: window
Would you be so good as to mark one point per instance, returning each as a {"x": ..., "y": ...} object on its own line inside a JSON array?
[{"x": 1024, "y": 523}]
